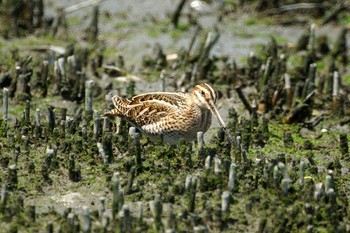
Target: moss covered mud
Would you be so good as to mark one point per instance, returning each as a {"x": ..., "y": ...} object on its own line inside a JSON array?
[{"x": 66, "y": 168}]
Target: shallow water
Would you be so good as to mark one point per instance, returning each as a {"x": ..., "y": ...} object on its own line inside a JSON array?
[
  {"x": 237, "y": 39},
  {"x": 133, "y": 41}
]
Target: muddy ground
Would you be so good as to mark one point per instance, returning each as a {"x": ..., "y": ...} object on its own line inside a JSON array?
[{"x": 64, "y": 168}]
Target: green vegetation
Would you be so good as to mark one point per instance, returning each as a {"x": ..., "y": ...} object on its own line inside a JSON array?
[
  {"x": 250, "y": 21},
  {"x": 286, "y": 171}
]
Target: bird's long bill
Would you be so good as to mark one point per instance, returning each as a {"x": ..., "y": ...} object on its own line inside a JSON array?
[
  {"x": 222, "y": 123},
  {"x": 216, "y": 113}
]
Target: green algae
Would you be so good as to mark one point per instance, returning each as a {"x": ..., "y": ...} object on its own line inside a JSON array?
[{"x": 258, "y": 201}]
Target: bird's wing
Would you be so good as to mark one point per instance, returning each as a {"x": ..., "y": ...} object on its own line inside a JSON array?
[
  {"x": 148, "y": 108},
  {"x": 168, "y": 124}
]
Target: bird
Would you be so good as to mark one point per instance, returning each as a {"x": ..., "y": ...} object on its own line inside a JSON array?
[{"x": 170, "y": 115}]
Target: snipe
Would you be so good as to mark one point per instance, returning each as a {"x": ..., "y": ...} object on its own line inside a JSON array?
[{"x": 170, "y": 115}]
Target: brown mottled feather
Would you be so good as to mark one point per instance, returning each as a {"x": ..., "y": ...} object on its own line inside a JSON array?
[
  {"x": 148, "y": 108},
  {"x": 172, "y": 115}
]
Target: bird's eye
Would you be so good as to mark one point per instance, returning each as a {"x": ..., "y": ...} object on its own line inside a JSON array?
[{"x": 202, "y": 92}]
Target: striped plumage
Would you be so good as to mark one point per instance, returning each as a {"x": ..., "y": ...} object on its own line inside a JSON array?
[{"x": 171, "y": 115}]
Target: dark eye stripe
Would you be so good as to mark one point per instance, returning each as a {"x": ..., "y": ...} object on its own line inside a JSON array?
[{"x": 212, "y": 91}]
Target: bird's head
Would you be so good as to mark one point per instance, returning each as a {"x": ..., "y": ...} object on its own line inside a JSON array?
[{"x": 206, "y": 96}]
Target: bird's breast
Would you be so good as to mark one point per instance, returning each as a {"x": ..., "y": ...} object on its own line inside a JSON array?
[
  {"x": 205, "y": 120},
  {"x": 199, "y": 119}
]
